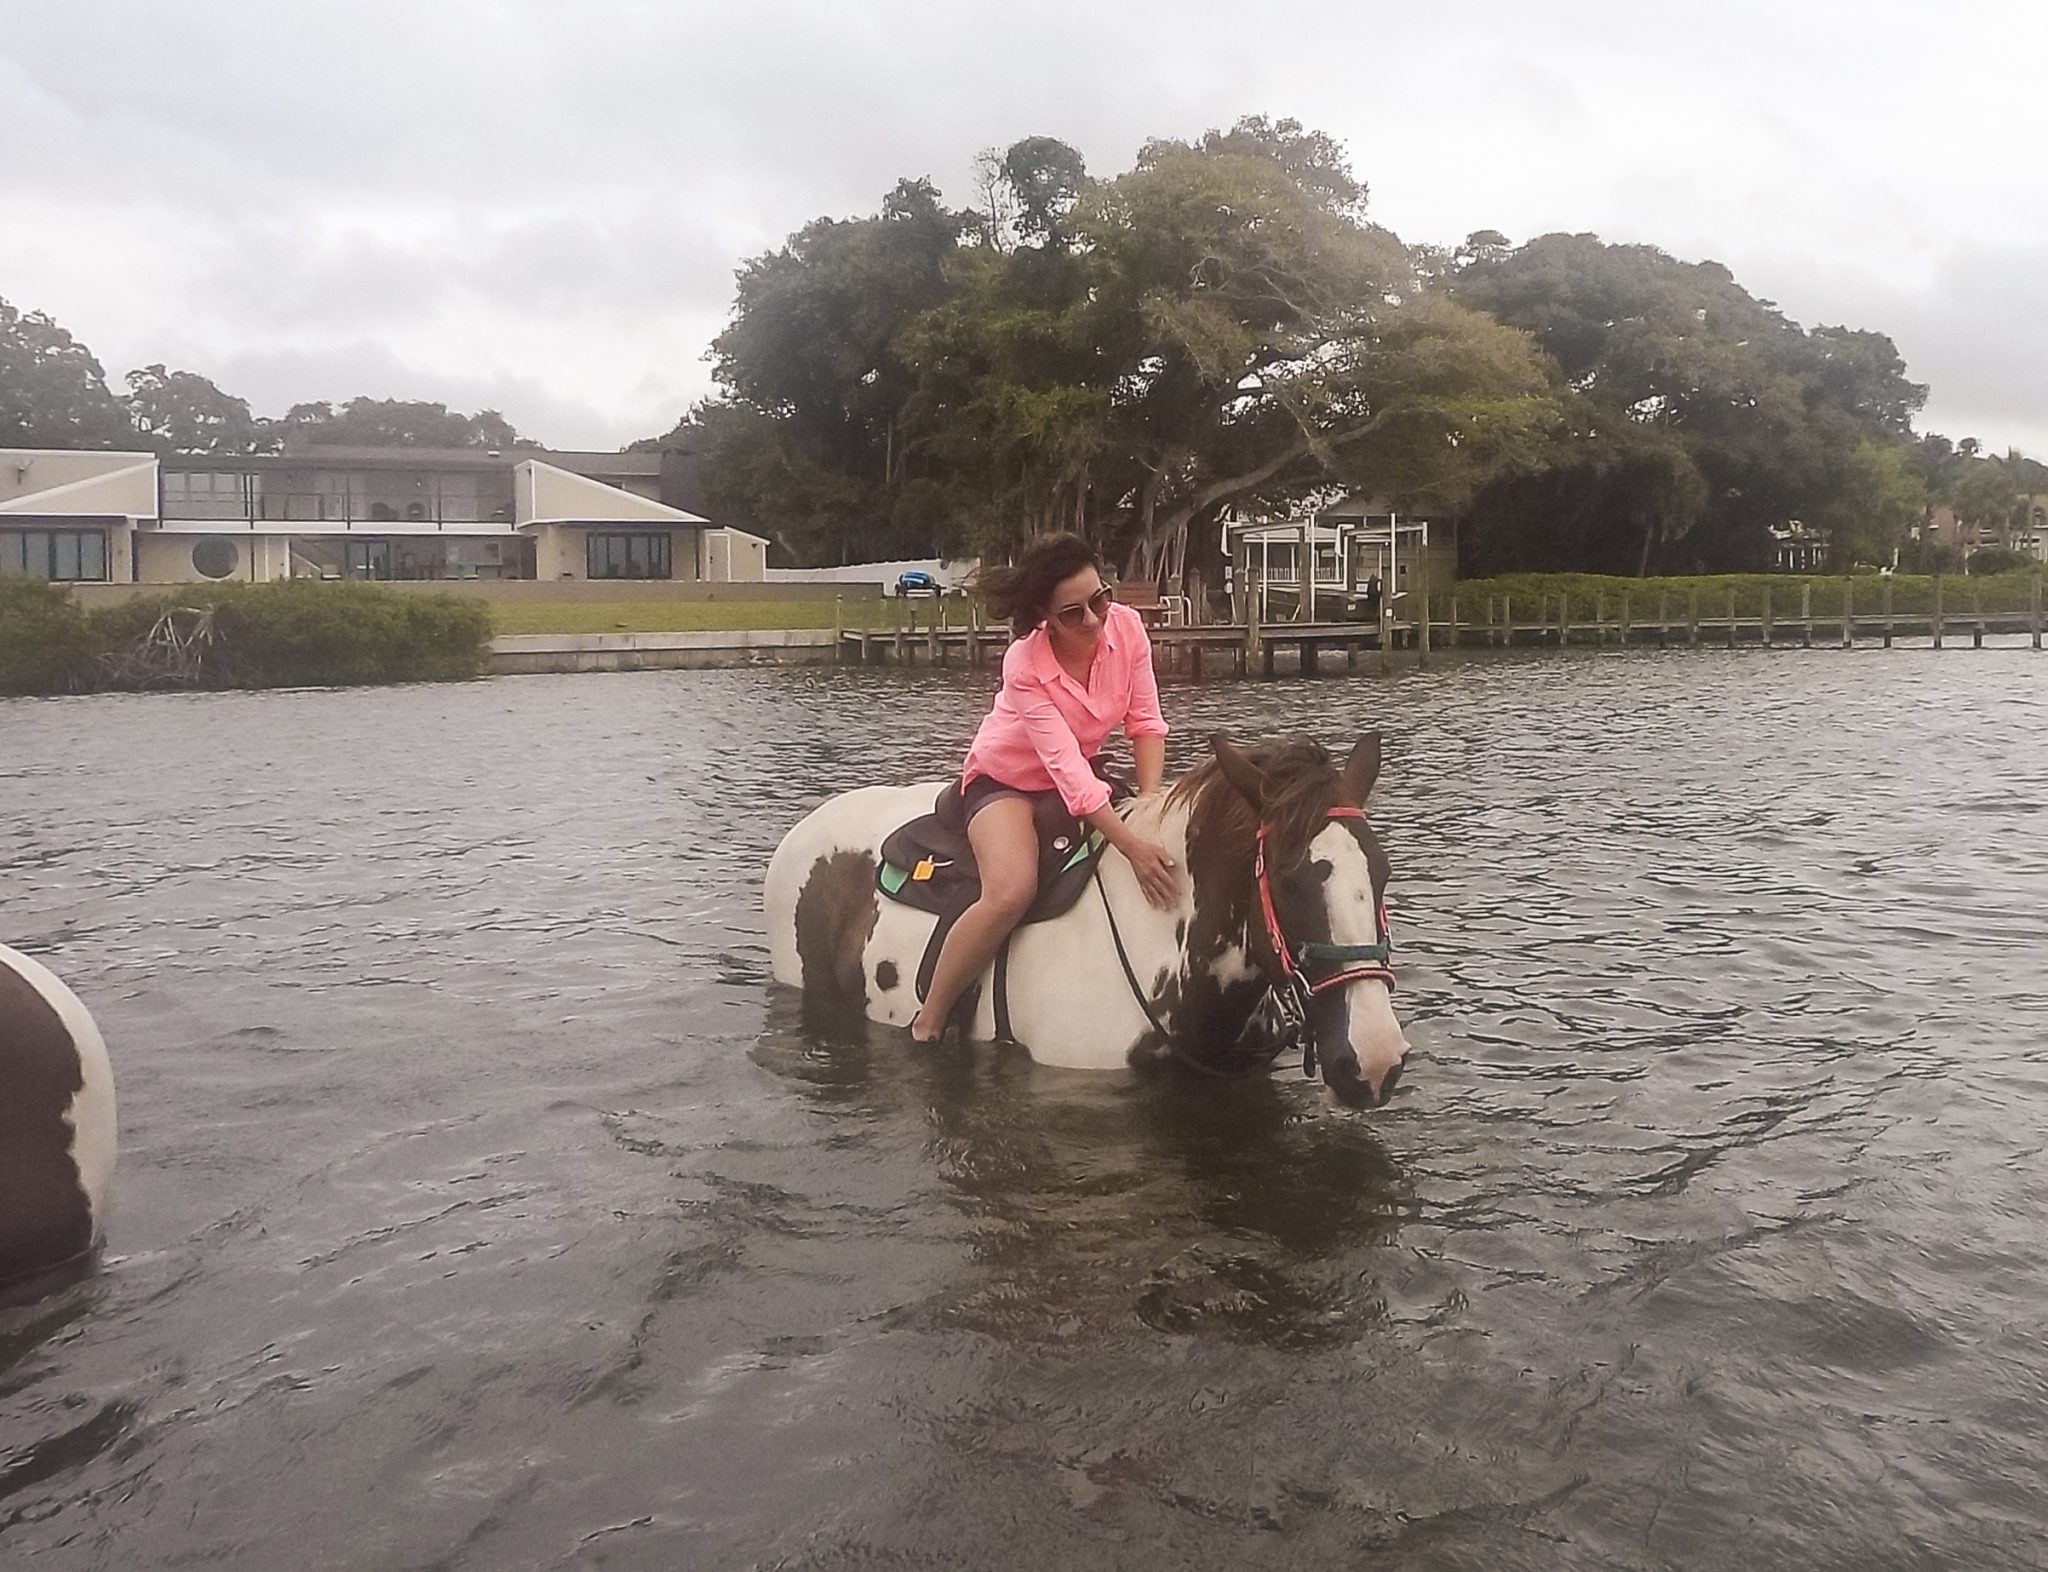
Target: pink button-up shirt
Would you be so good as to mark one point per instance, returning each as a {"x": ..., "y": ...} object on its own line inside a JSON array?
[{"x": 1045, "y": 726}]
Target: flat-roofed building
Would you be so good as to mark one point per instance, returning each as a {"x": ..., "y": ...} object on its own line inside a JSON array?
[
  {"x": 356, "y": 513},
  {"x": 73, "y": 516}
]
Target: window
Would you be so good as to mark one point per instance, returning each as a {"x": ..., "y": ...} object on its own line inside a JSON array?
[
  {"x": 207, "y": 494},
  {"x": 369, "y": 559},
  {"x": 622, "y": 556},
  {"x": 215, "y": 557},
  {"x": 69, "y": 555}
]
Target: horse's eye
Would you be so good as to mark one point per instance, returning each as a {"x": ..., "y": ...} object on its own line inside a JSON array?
[{"x": 1322, "y": 868}]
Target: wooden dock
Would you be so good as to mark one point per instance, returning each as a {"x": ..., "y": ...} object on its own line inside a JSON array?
[{"x": 952, "y": 637}]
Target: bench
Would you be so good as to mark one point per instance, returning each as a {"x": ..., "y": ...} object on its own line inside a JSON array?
[{"x": 1159, "y": 611}]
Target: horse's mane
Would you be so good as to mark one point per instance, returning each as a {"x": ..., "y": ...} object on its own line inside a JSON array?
[{"x": 1301, "y": 783}]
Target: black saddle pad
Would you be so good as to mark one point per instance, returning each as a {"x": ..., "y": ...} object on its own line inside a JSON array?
[{"x": 929, "y": 864}]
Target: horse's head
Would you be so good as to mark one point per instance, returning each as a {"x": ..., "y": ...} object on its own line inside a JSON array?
[{"x": 1315, "y": 919}]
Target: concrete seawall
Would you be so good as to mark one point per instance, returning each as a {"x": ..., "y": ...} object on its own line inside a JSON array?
[{"x": 514, "y": 654}]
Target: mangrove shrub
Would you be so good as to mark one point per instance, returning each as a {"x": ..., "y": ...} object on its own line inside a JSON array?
[
  {"x": 45, "y": 643},
  {"x": 291, "y": 633}
]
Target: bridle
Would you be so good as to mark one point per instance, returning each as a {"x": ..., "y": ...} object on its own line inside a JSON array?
[
  {"x": 1298, "y": 983},
  {"x": 1301, "y": 966}
]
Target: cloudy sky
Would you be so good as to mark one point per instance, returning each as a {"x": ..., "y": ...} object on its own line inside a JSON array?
[{"x": 538, "y": 205}]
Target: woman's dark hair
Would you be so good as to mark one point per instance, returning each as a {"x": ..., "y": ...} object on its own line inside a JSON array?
[{"x": 1020, "y": 591}]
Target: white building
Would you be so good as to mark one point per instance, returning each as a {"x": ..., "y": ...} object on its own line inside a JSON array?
[{"x": 355, "y": 513}]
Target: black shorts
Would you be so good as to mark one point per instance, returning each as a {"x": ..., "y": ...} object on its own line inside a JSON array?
[{"x": 985, "y": 789}]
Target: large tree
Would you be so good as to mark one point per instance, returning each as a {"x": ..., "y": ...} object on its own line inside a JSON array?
[
  {"x": 397, "y": 423},
  {"x": 817, "y": 448},
  {"x": 1228, "y": 332},
  {"x": 183, "y": 412},
  {"x": 1700, "y": 416},
  {"x": 53, "y": 392},
  {"x": 1871, "y": 501},
  {"x": 1219, "y": 327}
]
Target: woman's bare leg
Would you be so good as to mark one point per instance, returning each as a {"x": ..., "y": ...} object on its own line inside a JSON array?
[{"x": 1005, "y": 841}]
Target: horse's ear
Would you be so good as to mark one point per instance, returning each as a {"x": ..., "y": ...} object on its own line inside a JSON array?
[
  {"x": 1239, "y": 771},
  {"x": 1360, "y": 771}
]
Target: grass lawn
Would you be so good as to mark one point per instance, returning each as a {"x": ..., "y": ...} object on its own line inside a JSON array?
[
  {"x": 656, "y": 616},
  {"x": 711, "y": 616}
]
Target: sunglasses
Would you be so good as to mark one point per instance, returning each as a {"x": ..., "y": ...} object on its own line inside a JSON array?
[{"x": 1098, "y": 604}]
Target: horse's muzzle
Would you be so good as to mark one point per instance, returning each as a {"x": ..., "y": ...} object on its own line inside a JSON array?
[{"x": 1352, "y": 1087}]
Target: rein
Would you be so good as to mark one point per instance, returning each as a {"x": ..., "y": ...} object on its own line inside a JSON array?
[{"x": 1244, "y": 1066}]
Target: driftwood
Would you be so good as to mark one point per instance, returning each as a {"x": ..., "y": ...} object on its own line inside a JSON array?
[{"x": 172, "y": 654}]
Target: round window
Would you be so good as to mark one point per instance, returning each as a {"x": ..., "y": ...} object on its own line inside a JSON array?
[{"x": 216, "y": 558}]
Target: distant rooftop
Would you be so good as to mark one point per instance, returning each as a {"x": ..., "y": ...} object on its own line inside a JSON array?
[{"x": 315, "y": 455}]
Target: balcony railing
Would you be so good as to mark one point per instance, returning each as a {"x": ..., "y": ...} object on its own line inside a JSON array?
[{"x": 352, "y": 512}]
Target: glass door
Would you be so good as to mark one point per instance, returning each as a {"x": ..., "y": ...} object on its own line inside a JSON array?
[{"x": 369, "y": 559}]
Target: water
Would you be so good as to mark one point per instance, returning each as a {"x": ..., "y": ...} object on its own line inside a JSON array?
[{"x": 482, "y": 1205}]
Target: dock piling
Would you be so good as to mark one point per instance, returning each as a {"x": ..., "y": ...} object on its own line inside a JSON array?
[
  {"x": 1422, "y": 600},
  {"x": 1251, "y": 621}
]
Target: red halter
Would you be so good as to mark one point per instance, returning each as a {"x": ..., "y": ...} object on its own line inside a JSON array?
[{"x": 1295, "y": 962}]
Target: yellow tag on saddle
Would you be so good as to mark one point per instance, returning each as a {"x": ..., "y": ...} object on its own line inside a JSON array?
[{"x": 924, "y": 870}]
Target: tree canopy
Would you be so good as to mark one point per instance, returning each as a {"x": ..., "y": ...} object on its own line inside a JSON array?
[
  {"x": 53, "y": 393},
  {"x": 183, "y": 412},
  {"x": 1698, "y": 415},
  {"x": 395, "y": 423},
  {"x": 1218, "y": 327},
  {"x": 1223, "y": 328}
]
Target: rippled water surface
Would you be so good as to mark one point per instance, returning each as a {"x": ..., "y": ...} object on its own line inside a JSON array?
[{"x": 481, "y": 1204}]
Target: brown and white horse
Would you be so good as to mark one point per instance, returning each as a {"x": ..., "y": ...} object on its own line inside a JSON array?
[
  {"x": 57, "y": 1134},
  {"x": 1283, "y": 900}
]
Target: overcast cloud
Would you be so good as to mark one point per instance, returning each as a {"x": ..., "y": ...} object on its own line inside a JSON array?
[{"x": 538, "y": 205}]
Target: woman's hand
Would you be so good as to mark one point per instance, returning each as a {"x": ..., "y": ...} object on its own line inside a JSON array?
[
  {"x": 1157, "y": 876},
  {"x": 1155, "y": 871}
]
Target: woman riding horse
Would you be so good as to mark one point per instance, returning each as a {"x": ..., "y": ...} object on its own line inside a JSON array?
[{"x": 1080, "y": 666}]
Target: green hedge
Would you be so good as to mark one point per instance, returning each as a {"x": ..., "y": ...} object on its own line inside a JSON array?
[
  {"x": 1911, "y": 594},
  {"x": 291, "y": 633},
  {"x": 46, "y": 645}
]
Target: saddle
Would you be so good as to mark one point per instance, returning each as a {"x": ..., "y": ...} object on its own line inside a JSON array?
[{"x": 928, "y": 864}]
